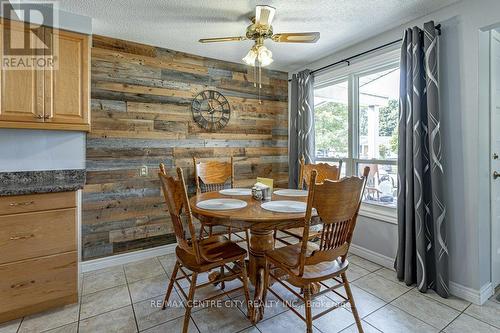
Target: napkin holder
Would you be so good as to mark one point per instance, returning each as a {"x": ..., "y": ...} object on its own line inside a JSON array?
[{"x": 261, "y": 192}]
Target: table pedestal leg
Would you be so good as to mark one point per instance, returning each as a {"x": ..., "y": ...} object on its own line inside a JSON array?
[{"x": 260, "y": 242}]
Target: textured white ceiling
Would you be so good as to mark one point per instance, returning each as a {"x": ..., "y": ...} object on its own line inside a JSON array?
[{"x": 178, "y": 24}]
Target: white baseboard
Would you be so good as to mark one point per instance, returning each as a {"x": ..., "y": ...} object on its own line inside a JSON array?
[
  {"x": 367, "y": 254},
  {"x": 125, "y": 258},
  {"x": 472, "y": 295},
  {"x": 469, "y": 294}
]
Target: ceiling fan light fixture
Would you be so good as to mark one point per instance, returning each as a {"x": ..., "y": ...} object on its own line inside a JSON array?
[
  {"x": 264, "y": 56},
  {"x": 250, "y": 58}
]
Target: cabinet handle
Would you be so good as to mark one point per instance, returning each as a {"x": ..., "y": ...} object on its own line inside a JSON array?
[
  {"x": 47, "y": 116},
  {"x": 22, "y": 237},
  {"x": 22, "y": 284},
  {"x": 38, "y": 116},
  {"x": 26, "y": 203}
]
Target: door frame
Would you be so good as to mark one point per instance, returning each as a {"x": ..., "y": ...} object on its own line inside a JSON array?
[{"x": 495, "y": 226}]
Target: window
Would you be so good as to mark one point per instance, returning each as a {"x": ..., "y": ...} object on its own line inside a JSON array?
[{"x": 356, "y": 121}]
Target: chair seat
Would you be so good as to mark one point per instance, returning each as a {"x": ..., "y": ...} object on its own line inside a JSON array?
[
  {"x": 322, "y": 271},
  {"x": 298, "y": 232},
  {"x": 287, "y": 257},
  {"x": 216, "y": 248}
]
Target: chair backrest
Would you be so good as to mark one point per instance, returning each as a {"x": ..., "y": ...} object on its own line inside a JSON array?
[
  {"x": 324, "y": 171},
  {"x": 337, "y": 205},
  {"x": 174, "y": 191},
  {"x": 163, "y": 169},
  {"x": 212, "y": 175}
]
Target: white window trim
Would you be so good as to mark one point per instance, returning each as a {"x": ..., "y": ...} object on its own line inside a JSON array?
[
  {"x": 351, "y": 74},
  {"x": 379, "y": 212}
]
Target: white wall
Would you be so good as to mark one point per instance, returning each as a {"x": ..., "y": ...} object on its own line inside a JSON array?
[
  {"x": 465, "y": 118},
  {"x": 30, "y": 150}
]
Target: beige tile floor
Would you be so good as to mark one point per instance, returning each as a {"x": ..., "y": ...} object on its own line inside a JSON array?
[{"x": 127, "y": 299}]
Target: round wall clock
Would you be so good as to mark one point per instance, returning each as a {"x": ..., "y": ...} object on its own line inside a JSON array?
[{"x": 211, "y": 110}]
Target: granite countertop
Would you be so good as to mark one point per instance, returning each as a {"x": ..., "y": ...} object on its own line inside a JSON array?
[{"x": 31, "y": 182}]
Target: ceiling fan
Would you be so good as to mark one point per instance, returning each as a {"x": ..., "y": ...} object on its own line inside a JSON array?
[{"x": 260, "y": 30}]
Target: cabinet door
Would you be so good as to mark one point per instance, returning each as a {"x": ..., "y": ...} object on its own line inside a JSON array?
[
  {"x": 67, "y": 86},
  {"x": 21, "y": 94}
]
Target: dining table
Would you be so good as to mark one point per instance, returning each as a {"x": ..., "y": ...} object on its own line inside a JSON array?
[{"x": 261, "y": 224}]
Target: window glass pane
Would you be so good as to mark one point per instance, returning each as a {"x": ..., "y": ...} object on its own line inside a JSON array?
[
  {"x": 331, "y": 120},
  {"x": 378, "y": 115},
  {"x": 381, "y": 185}
]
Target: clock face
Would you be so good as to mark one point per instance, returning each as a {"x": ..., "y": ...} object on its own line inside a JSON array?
[{"x": 211, "y": 110}]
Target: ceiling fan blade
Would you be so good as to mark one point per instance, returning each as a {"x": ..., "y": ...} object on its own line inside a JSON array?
[
  {"x": 296, "y": 37},
  {"x": 264, "y": 15},
  {"x": 222, "y": 39}
]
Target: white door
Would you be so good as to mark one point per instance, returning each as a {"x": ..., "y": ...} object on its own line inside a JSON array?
[{"x": 495, "y": 157}]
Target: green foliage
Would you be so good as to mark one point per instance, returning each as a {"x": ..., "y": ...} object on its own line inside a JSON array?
[
  {"x": 394, "y": 141},
  {"x": 384, "y": 151},
  {"x": 388, "y": 118},
  {"x": 331, "y": 127}
]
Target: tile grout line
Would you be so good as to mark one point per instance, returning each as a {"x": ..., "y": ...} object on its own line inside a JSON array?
[
  {"x": 19, "y": 327},
  {"x": 479, "y": 319},
  {"x": 461, "y": 313},
  {"x": 403, "y": 310},
  {"x": 80, "y": 300},
  {"x": 130, "y": 297}
]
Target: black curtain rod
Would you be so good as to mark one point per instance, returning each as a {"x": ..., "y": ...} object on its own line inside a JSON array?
[{"x": 348, "y": 60}]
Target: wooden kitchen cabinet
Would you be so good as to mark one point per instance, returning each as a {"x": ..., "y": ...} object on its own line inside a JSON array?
[
  {"x": 67, "y": 88},
  {"x": 38, "y": 253},
  {"x": 21, "y": 99},
  {"x": 56, "y": 99}
]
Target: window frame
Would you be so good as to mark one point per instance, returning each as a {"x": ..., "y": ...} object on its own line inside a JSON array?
[{"x": 351, "y": 73}]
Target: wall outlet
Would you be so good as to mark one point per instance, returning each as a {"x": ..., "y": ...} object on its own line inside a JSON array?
[{"x": 143, "y": 172}]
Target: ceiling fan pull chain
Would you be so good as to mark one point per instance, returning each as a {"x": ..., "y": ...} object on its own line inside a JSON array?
[
  {"x": 260, "y": 76},
  {"x": 255, "y": 75},
  {"x": 260, "y": 81}
]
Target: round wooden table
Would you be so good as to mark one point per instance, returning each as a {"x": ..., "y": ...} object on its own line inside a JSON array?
[{"x": 261, "y": 224}]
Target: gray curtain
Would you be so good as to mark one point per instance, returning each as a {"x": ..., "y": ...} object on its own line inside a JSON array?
[
  {"x": 422, "y": 256},
  {"x": 301, "y": 136}
]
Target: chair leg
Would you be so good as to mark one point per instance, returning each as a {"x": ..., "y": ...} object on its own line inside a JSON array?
[
  {"x": 245, "y": 285},
  {"x": 202, "y": 230},
  {"x": 222, "y": 283},
  {"x": 229, "y": 232},
  {"x": 170, "y": 285},
  {"x": 247, "y": 236},
  {"x": 266, "y": 283},
  {"x": 189, "y": 303},
  {"x": 307, "y": 303},
  {"x": 351, "y": 300}
]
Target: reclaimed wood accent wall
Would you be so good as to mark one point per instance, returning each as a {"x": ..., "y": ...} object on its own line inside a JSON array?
[{"x": 141, "y": 115}]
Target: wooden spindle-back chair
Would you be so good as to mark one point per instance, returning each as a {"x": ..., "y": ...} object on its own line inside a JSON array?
[
  {"x": 324, "y": 171},
  {"x": 198, "y": 255},
  {"x": 336, "y": 204},
  {"x": 215, "y": 176}
]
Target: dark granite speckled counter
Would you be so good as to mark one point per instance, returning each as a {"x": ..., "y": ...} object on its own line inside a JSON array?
[{"x": 31, "y": 182}]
